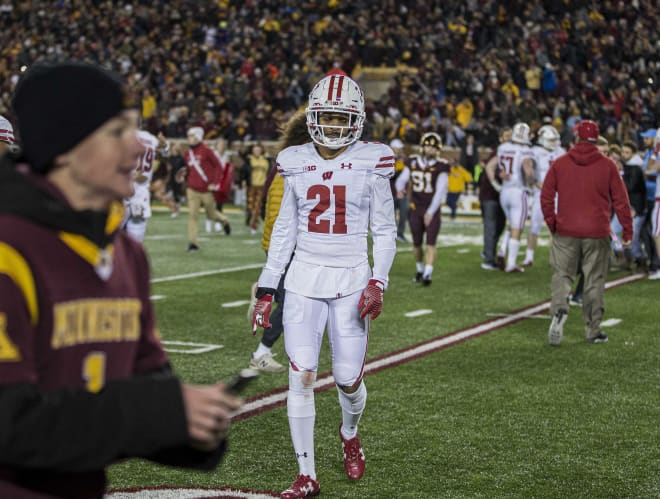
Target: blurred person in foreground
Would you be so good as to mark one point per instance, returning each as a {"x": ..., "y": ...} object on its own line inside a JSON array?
[
  {"x": 586, "y": 186},
  {"x": 336, "y": 189},
  {"x": 84, "y": 380}
]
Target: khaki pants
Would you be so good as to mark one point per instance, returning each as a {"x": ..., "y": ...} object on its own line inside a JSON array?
[
  {"x": 564, "y": 256},
  {"x": 195, "y": 201}
]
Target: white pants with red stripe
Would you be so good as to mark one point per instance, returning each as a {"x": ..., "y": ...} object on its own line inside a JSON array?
[
  {"x": 305, "y": 320},
  {"x": 514, "y": 204}
]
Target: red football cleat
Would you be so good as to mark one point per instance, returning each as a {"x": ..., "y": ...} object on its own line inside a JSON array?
[
  {"x": 304, "y": 486},
  {"x": 353, "y": 456}
]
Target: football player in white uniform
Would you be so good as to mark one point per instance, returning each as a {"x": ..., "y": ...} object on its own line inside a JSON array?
[
  {"x": 138, "y": 206},
  {"x": 7, "y": 140},
  {"x": 548, "y": 149},
  {"x": 515, "y": 163},
  {"x": 336, "y": 190}
]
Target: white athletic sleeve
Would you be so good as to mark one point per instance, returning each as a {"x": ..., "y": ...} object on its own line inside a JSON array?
[
  {"x": 383, "y": 228},
  {"x": 282, "y": 239},
  {"x": 402, "y": 179},
  {"x": 440, "y": 196}
]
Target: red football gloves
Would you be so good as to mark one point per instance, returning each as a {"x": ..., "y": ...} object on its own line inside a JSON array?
[
  {"x": 371, "y": 301},
  {"x": 261, "y": 314}
]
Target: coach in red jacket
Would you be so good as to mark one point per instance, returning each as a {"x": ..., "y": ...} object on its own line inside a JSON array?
[
  {"x": 586, "y": 185},
  {"x": 204, "y": 177}
]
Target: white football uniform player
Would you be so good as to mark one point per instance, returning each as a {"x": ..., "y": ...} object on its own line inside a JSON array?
[
  {"x": 514, "y": 160},
  {"x": 336, "y": 190},
  {"x": 513, "y": 196},
  {"x": 543, "y": 159},
  {"x": 138, "y": 206}
]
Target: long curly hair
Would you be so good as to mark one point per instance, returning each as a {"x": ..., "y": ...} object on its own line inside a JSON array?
[{"x": 294, "y": 132}]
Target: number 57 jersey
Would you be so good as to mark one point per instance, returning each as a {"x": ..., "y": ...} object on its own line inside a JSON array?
[{"x": 327, "y": 209}]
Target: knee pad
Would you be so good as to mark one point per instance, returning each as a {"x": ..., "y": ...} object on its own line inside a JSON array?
[{"x": 300, "y": 399}]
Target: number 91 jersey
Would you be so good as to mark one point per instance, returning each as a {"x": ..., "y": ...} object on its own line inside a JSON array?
[{"x": 327, "y": 209}]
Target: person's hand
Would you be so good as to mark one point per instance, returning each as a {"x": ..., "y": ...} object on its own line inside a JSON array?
[
  {"x": 371, "y": 301},
  {"x": 427, "y": 219},
  {"x": 208, "y": 413},
  {"x": 261, "y": 314},
  {"x": 162, "y": 141},
  {"x": 214, "y": 187},
  {"x": 400, "y": 194},
  {"x": 626, "y": 244}
]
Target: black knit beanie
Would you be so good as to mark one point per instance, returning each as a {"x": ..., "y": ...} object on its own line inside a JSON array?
[{"x": 57, "y": 105}]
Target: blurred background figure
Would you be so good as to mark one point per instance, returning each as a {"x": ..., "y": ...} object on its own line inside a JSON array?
[{"x": 401, "y": 204}]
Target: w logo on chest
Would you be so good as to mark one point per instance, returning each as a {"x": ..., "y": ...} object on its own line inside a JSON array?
[{"x": 326, "y": 175}]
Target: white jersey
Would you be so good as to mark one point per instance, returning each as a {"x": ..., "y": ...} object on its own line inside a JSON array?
[
  {"x": 327, "y": 209},
  {"x": 510, "y": 157},
  {"x": 544, "y": 159},
  {"x": 139, "y": 204}
]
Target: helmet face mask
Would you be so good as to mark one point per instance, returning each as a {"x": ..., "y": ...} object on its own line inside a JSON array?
[
  {"x": 549, "y": 138},
  {"x": 335, "y": 112}
]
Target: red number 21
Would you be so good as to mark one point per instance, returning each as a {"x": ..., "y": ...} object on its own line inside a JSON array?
[{"x": 322, "y": 193}]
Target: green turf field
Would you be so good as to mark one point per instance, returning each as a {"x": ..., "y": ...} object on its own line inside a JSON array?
[{"x": 498, "y": 415}]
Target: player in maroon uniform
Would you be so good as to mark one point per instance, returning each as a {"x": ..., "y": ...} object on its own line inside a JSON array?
[
  {"x": 84, "y": 380},
  {"x": 429, "y": 174}
]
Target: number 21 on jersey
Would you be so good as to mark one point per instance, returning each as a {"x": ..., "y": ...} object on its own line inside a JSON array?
[{"x": 324, "y": 195}]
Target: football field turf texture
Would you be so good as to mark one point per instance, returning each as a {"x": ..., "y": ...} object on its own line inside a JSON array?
[{"x": 465, "y": 397}]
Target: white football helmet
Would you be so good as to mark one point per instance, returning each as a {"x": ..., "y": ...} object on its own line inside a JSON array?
[
  {"x": 549, "y": 138},
  {"x": 520, "y": 133},
  {"x": 336, "y": 94},
  {"x": 6, "y": 131}
]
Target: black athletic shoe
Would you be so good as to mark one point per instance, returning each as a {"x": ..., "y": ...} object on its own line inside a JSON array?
[
  {"x": 426, "y": 281},
  {"x": 601, "y": 338},
  {"x": 192, "y": 248},
  {"x": 227, "y": 228},
  {"x": 418, "y": 278}
]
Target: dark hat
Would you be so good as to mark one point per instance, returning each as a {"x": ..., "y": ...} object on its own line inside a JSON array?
[{"x": 57, "y": 105}]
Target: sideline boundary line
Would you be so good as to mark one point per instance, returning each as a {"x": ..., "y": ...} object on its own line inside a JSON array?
[{"x": 276, "y": 398}]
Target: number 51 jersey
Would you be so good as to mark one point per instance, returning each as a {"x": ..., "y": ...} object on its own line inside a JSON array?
[{"x": 327, "y": 209}]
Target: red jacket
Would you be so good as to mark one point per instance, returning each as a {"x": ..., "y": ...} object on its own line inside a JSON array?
[
  {"x": 200, "y": 157},
  {"x": 588, "y": 185}
]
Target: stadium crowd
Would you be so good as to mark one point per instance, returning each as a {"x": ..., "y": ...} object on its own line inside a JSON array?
[{"x": 236, "y": 68}]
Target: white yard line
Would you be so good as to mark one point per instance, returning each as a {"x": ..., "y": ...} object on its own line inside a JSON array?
[{"x": 205, "y": 273}]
